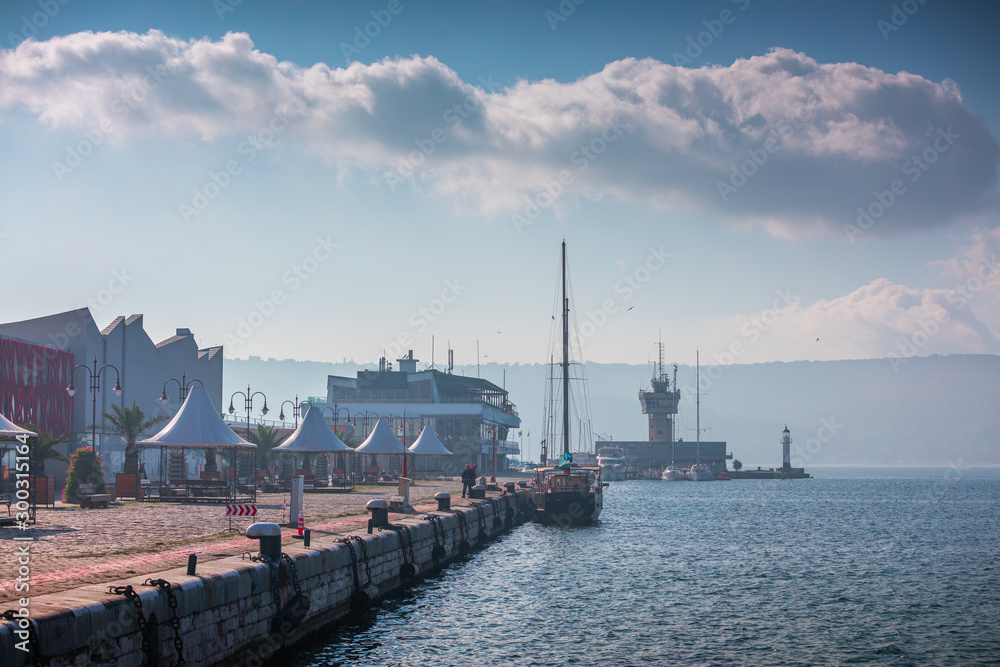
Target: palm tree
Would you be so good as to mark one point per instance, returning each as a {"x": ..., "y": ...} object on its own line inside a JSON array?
[
  {"x": 347, "y": 437},
  {"x": 43, "y": 449},
  {"x": 266, "y": 438},
  {"x": 129, "y": 424}
]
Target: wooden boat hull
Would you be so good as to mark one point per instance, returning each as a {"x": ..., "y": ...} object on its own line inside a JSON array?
[{"x": 568, "y": 508}]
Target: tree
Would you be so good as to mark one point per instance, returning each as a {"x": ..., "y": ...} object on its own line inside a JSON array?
[
  {"x": 346, "y": 436},
  {"x": 266, "y": 438},
  {"x": 129, "y": 424},
  {"x": 737, "y": 464},
  {"x": 44, "y": 449}
]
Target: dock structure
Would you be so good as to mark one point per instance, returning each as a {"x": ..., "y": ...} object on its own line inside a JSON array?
[
  {"x": 242, "y": 610},
  {"x": 660, "y": 403}
]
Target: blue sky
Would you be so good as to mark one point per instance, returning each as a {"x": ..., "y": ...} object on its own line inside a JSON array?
[{"x": 248, "y": 184}]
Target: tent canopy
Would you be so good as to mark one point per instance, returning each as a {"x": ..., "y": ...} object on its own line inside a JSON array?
[
  {"x": 9, "y": 429},
  {"x": 312, "y": 436},
  {"x": 197, "y": 425},
  {"x": 428, "y": 444},
  {"x": 381, "y": 441}
]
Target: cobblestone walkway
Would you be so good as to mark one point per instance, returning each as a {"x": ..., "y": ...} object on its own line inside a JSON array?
[{"x": 75, "y": 547}]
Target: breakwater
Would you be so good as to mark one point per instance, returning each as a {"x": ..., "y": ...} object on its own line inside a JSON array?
[{"x": 241, "y": 611}]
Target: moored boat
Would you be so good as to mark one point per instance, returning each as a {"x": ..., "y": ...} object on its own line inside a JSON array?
[
  {"x": 567, "y": 494},
  {"x": 612, "y": 463}
]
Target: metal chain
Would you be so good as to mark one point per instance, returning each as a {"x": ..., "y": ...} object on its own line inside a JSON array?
[
  {"x": 140, "y": 619},
  {"x": 346, "y": 541},
  {"x": 409, "y": 543},
  {"x": 291, "y": 568},
  {"x": 272, "y": 566},
  {"x": 175, "y": 622},
  {"x": 35, "y": 650},
  {"x": 364, "y": 558}
]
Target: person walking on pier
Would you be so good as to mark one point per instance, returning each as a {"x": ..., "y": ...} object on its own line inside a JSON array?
[{"x": 468, "y": 479}]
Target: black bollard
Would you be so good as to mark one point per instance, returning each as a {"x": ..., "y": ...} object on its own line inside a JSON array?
[
  {"x": 192, "y": 564},
  {"x": 305, "y": 537},
  {"x": 380, "y": 513},
  {"x": 444, "y": 501}
]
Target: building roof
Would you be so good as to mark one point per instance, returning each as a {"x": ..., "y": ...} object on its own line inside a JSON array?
[
  {"x": 113, "y": 325},
  {"x": 312, "y": 435}
]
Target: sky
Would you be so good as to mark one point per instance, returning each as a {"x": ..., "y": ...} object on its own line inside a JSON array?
[{"x": 326, "y": 181}]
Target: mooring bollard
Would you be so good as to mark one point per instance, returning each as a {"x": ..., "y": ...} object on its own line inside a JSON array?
[
  {"x": 478, "y": 492},
  {"x": 380, "y": 513},
  {"x": 444, "y": 501},
  {"x": 269, "y": 535},
  {"x": 192, "y": 564},
  {"x": 509, "y": 487}
]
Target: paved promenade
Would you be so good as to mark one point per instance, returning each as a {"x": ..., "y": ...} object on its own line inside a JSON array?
[{"x": 75, "y": 547}]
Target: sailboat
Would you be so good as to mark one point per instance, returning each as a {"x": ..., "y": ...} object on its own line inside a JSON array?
[
  {"x": 567, "y": 494},
  {"x": 699, "y": 472}
]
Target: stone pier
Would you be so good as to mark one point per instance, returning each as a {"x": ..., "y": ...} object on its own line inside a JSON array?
[{"x": 226, "y": 613}]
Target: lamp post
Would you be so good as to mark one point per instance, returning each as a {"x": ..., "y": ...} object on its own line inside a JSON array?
[
  {"x": 248, "y": 402},
  {"x": 95, "y": 385},
  {"x": 183, "y": 384},
  {"x": 295, "y": 411}
]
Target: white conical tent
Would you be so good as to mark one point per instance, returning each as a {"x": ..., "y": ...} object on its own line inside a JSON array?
[
  {"x": 381, "y": 441},
  {"x": 428, "y": 444},
  {"x": 197, "y": 424},
  {"x": 9, "y": 429},
  {"x": 312, "y": 436}
]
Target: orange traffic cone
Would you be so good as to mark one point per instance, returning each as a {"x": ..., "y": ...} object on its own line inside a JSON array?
[{"x": 302, "y": 523}]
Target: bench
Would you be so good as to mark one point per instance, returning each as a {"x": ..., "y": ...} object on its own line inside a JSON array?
[
  {"x": 95, "y": 500},
  {"x": 89, "y": 499},
  {"x": 7, "y": 498}
]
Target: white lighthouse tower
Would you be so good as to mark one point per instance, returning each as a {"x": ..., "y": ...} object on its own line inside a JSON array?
[{"x": 786, "y": 442}]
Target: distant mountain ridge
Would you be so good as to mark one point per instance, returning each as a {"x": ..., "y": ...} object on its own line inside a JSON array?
[{"x": 928, "y": 410}]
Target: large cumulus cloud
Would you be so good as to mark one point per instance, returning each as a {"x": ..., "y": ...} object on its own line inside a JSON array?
[{"x": 776, "y": 140}]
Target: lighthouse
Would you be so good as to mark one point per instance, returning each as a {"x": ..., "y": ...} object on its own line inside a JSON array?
[{"x": 786, "y": 442}]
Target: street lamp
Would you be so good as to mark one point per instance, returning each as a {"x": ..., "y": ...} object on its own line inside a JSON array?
[
  {"x": 295, "y": 411},
  {"x": 248, "y": 402},
  {"x": 95, "y": 385},
  {"x": 183, "y": 384}
]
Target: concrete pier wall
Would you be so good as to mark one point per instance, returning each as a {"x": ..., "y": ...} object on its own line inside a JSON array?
[{"x": 226, "y": 611}]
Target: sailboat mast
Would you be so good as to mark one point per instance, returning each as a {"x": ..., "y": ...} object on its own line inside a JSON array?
[
  {"x": 565, "y": 361},
  {"x": 697, "y": 412}
]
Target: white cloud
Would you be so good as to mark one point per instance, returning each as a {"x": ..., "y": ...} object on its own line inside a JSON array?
[
  {"x": 838, "y": 132},
  {"x": 878, "y": 320},
  {"x": 977, "y": 276}
]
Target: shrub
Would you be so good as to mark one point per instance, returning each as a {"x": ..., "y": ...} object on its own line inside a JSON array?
[{"x": 84, "y": 468}]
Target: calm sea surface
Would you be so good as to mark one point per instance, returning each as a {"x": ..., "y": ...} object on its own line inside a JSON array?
[{"x": 894, "y": 566}]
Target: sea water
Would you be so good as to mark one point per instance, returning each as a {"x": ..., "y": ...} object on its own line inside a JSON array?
[{"x": 895, "y": 566}]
